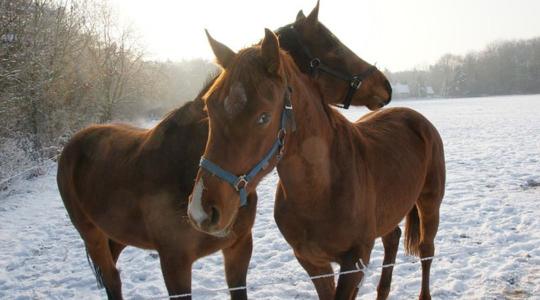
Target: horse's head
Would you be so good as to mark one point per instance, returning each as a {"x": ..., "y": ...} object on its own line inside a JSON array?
[
  {"x": 245, "y": 107},
  {"x": 343, "y": 77}
]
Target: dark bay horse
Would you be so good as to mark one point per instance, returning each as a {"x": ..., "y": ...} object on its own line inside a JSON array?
[
  {"x": 342, "y": 184},
  {"x": 128, "y": 186}
]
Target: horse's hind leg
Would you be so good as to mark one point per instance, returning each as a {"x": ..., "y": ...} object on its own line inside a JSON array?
[
  {"x": 97, "y": 245},
  {"x": 98, "y": 249},
  {"x": 116, "y": 249},
  {"x": 424, "y": 217},
  {"x": 428, "y": 209},
  {"x": 391, "y": 244},
  {"x": 236, "y": 265}
]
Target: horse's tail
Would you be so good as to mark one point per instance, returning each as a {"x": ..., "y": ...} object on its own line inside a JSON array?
[
  {"x": 412, "y": 232},
  {"x": 96, "y": 271}
]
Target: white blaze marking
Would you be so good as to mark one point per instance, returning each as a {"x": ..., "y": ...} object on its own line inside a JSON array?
[{"x": 195, "y": 208}]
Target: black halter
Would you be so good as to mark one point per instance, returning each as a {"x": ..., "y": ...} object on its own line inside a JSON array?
[{"x": 314, "y": 64}]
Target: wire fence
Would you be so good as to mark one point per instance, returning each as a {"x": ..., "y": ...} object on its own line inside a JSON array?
[{"x": 360, "y": 267}]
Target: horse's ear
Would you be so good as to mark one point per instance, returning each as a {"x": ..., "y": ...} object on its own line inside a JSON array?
[
  {"x": 300, "y": 16},
  {"x": 224, "y": 55},
  {"x": 313, "y": 17},
  {"x": 270, "y": 51}
]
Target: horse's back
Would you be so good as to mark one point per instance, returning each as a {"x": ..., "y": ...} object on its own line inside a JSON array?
[
  {"x": 100, "y": 145},
  {"x": 401, "y": 121},
  {"x": 399, "y": 130},
  {"x": 399, "y": 124},
  {"x": 107, "y": 137}
]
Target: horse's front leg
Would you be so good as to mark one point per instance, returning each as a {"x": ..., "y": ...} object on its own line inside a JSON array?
[
  {"x": 325, "y": 286},
  {"x": 347, "y": 287},
  {"x": 176, "y": 268},
  {"x": 237, "y": 259}
]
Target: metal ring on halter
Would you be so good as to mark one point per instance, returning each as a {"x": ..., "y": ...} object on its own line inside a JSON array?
[
  {"x": 241, "y": 181},
  {"x": 281, "y": 138},
  {"x": 315, "y": 63},
  {"x": 281, "y": 135}
]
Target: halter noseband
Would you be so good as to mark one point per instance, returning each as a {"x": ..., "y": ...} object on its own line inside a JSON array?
[
  {"x": 315, "y": 64},
  {"x": 239, "y": 183}
]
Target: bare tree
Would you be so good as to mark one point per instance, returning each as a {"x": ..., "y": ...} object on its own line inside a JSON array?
[{"x": 65, "y": 64}]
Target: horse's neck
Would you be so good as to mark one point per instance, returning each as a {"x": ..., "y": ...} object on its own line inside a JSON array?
[
  {"x": 174, "y": 131},
  {"x": 307, "y": 160},
  {"x": 313, "y": 116},
  {"x": 173, "y": 148}
]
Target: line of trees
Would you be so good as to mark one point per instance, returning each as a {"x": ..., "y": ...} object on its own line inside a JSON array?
[
  {"x": 64, "y": 65},
  {"x": 67, "y": 63},
  {"x": 503, "y": 68}
]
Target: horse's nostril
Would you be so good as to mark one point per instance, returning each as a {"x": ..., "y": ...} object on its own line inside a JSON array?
[{"x": 214, "y": 216}]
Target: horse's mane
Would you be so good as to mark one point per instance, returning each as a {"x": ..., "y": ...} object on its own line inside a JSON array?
[
  {"x": 208, "y": 82},
  {"x": 193, "y": 110},
  {"x": 289, "y": 40},
  {"x": 290, "y": 64}
]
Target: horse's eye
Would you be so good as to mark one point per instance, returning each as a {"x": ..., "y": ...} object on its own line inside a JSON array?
[{"x": 263, "y": 118}]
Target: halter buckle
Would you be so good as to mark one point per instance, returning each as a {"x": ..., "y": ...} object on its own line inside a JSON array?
[
  {"x": 241, "y": 183},
  {"x": 356, "y": 82}
]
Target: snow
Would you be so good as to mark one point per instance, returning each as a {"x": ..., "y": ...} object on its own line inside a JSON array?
[{"x": 488, "y": 244}]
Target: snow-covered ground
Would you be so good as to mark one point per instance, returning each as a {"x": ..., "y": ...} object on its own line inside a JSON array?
[{"x": 488, "y": 244}]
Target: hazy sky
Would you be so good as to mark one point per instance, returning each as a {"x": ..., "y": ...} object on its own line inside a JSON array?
[{"x": 397, "y": 34}]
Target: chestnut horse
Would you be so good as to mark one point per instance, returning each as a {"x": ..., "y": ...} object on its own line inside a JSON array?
[
  {"x": 342, "y": 184},
  {"x": 128, "y": 186}
]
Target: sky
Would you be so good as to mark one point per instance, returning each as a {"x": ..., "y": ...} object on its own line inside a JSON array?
[{"x": 395, "y": 34}]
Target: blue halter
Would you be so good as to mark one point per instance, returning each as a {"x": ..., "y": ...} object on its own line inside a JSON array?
[{"x": 239, "y": 183}]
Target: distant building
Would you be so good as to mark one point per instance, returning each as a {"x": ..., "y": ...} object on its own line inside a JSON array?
[
  {"x": 400, "y": 90},
  {"x": 429, "y": 92},
  {"x": 403, "y": 91}
]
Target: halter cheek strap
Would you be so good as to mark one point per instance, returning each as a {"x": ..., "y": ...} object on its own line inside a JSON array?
[
  {"x": 355, "y": 81},
  {"x": 315, "y": 65},
  {"x": 240, "y": 183}
]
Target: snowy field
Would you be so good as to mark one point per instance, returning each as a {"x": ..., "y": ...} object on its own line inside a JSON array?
[{"x": 487, "y": 247}]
